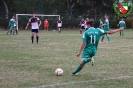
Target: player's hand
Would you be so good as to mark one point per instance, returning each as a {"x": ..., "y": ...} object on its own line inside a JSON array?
[
  {"x": 78, "y": 54},
  {"x": 25, "y": 28}
]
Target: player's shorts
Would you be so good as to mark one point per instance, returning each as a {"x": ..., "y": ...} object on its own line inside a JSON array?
[
  {"x": 82, "y": 27},
  {"x": 45, "y": 26},
  {"x": 35, "y": 30},
  {"x": 15, "y": 26},
  {"x": 59, "y": 27},
  {"x": 11, "y": 27},
  {"x": 122, "y": 28},
  {"x": 88, "y": 53}
]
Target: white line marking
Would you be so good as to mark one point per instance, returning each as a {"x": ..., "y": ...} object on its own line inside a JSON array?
[{"x": 96, "y": 80}]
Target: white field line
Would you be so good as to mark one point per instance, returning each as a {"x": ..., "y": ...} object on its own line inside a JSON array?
[{"x": 87, "y": 81}]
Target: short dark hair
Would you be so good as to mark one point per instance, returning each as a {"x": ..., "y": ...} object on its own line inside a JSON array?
[{"x": 91, "y": 23}]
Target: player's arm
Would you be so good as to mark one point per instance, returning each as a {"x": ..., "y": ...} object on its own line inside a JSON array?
[
  {"x": 105, "y": 24},
  {"x": 117, "y": 24},
  {"x": 81, "y": 48},
  {"x": 40, "y": 22},
  {"x": 8, "y": 24},
  {"x": 27, "y": 25},
  {"x": 114, "y": 31},
  {"x": 125, "y": 25}
]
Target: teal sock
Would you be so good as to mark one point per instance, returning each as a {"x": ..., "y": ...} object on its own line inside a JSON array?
[
  {"x": 8, "y": 31},
  {"x": 108, "y": 37},
  {"x": 102, "y": 39},
  {"x": 77, "y": 69}
]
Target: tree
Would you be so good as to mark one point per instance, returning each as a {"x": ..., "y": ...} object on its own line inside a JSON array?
[{"x": 6, "y": 8}]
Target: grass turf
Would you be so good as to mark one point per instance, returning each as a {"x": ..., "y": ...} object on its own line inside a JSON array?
[{"x": 24, "y": 65}]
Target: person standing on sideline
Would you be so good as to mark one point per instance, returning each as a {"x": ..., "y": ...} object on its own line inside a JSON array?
[
  {"x": 122, "y": 25},
  {"x": 35, "y": 23},
  {"x": 106, "y": 28},
  {"x": 11, "y": 25},
  {"x": 82, "y": 25},
  {"x": 89, "y": 44},
  {"x": 46, "y": 25},
  {"x": 59, "y": 25}
]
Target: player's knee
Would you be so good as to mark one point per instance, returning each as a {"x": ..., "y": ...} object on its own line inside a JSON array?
[
  {"x": 86, "y": 61},
  {"x": 82, "y": 64}
]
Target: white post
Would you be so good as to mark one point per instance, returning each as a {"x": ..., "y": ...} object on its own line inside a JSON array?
[
  {"x": 31, "y": 15},
  {"x": 17, "y": 21}
]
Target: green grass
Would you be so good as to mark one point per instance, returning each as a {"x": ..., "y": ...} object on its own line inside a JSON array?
[{"x": 24, "y": 65}]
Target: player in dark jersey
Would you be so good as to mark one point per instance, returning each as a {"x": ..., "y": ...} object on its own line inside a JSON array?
[
  {"x": 82, "y": 25},
  {"x": 35, "y": 23},
  {"x": 90, "y": 44},
  {"x": 59, "y": 25}
]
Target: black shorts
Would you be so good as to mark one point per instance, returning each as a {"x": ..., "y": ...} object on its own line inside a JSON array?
[
  {"x": 82, "y": 27},
  {"x": 59, "y": 27},
  {"x": 35, "y": 30}
]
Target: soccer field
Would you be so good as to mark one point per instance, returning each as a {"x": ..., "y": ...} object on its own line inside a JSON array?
[{"x": 25, "y": 65}]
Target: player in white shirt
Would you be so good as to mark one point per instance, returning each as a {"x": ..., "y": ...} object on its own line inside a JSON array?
[
  {"x": 82, "y": 25},
  {"x": 87, "y": 19},
  {"x": 15, "y": 27},
  {"x": 59, "y": 25},
  {"x": 35, "y": 23}
]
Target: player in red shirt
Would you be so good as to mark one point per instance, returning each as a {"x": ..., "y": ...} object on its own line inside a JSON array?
[{"x": 46, "y": 24}]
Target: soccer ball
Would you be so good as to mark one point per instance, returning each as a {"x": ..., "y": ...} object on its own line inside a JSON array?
[{"x": 59, "y": 72}]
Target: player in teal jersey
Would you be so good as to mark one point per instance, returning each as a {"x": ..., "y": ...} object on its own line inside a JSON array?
[
  {"x": 11, "y": 25},
  {"x": 122, "y": 25},
  {"x": 106, "y": 28},
  {"x": 90, "y": 43},
  {"x": 101, "y": 24}
]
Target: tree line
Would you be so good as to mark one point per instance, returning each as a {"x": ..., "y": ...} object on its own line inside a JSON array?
[{"x": 68, "y": 9}]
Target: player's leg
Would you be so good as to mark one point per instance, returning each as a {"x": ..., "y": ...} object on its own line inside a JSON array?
[
  {"x": 59, "y": 29},
  {"x": 83, "y": 61},
  {"x": 108, "y": 37},
  {"x": 47, "y": 27},
  {"x": 32, "y": 35},
  {"x": 92, "y": 61},
  {"x": 37, "y": 36},
  {"x": 8, "y": 31},
  {"x": 13, "y": 31},
  {"x": 122, "y": 32},
  {"x": 44, "y": 27},
  {"x": 102, "y": 38},
  {"x": 80, "y": 31}
]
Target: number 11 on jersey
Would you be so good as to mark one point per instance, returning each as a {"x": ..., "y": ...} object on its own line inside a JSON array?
[{"x": 93, "y": 39}]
